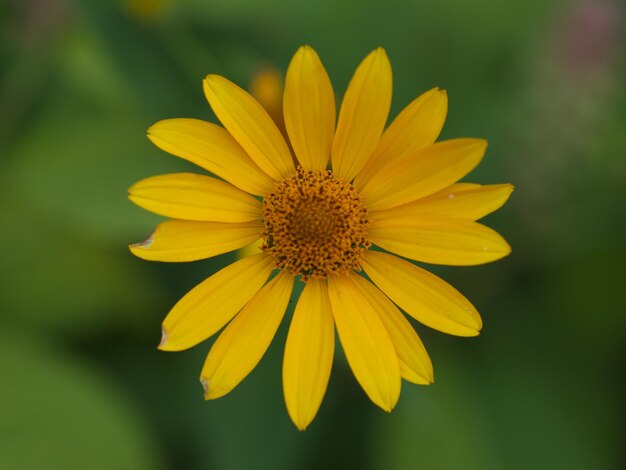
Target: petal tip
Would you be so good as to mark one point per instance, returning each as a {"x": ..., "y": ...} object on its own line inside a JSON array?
[
  {"x": 144, "y": 245},
  {"x": 506, "y": 248},
  {"x": 153, "y": 134},
  {"x": 391, "y": 401},
  {"x": 301, "y": 425},
  {"x": 305, "y": 53},
  {"x": 208, "y": 389},
  {"x": 476, "y": 320},
  {"x": 380, "y": 55},
  {"x": 429, "y": 374},
  {"x": 154, "y": 128},
  {"x": 206, "y": 383},
  {"x": 163, "y": 343},
  {"x": 211, "y": 80},
  {"x": 471, "y": 333},
  {"x": 377, "y": 54},
  {"x": 388, "y": 407},
  {"x": 168, "y": 346}
]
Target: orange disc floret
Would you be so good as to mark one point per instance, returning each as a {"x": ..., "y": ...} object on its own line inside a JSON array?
[{"x": 315, "y": 225}]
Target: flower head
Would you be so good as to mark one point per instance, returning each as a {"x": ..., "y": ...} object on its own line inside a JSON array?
[{"x": 317, "y": 214}]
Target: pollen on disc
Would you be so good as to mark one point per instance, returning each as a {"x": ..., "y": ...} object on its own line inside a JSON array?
[{"x": 315, "y": 225}]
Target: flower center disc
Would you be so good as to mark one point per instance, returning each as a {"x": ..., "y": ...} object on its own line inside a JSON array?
[{"x": 315, "y": 225}]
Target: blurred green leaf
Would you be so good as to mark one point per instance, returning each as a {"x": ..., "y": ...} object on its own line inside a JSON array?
[
  {"x": 78, "y": 170},
  {"x": 441, "y": 426},
  {"x": 58, "y": 411},
  {"x": 89, "y": 69},
  {"x": 513, "y": 415},
  {"x": 63, "y": 282}
]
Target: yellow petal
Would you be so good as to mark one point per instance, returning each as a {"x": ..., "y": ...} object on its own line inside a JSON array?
[
  {"x": 309, "y": 109},
  {"x": 438, "y": 240},
  {"x": 368, "y": 347},
  {"x": 186, "y": 240},
  {"x": 308, "y": 354},
  {"x": 363, "y": 115},
  {"x": 415, "y": 365},
  {"x": 195, "y": 197},
  {"x": 416, "y": 127},
  {"x": 253, "y": 248},
  {"x": 424, "y": 296},
  {"x": 214, "y": 302},
  {"x": 212, "y": 148},
  {"x": 459, "y": 201},
  {"x": 423, "y": 173},
  {"x": 241, "y": 345},
  {"x": 250, "y": 125}
]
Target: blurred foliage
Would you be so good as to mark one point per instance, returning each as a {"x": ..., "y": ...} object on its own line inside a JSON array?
[{"x": 83, "y": 385}]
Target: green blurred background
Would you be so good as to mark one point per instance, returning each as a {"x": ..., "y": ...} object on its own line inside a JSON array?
[{"x": 81, "y": 382}]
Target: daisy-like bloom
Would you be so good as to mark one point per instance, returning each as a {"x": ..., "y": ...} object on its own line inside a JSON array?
[{"x": 350, "y": 185}]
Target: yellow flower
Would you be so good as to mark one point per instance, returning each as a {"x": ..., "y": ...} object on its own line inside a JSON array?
[{"x": 395, "y": 189}]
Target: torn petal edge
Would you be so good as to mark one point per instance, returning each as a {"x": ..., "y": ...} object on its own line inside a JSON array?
[{"x": 147, "y": 243}]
